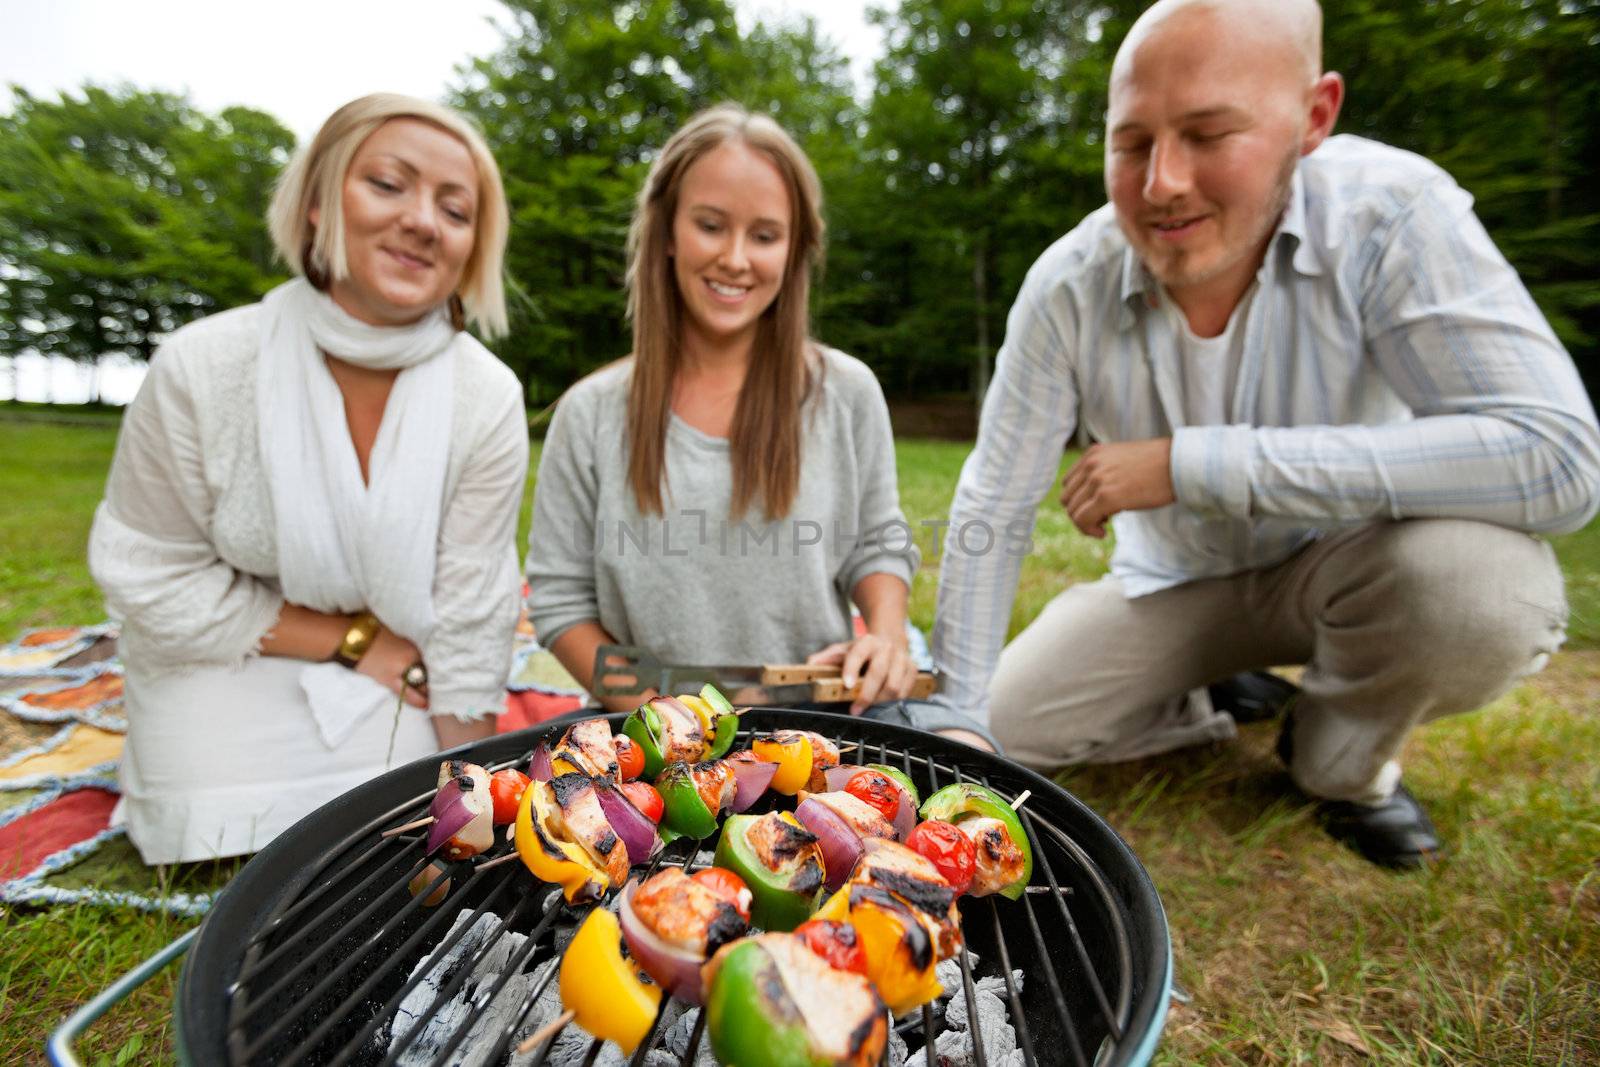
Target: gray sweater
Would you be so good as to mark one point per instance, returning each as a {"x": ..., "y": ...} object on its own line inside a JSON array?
[{"x": 693, "y": 585}]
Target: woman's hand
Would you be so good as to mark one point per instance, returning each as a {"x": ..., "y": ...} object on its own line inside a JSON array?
[
  {"x": 883, "y": 667},
  {"x": 387, "y": 660}
]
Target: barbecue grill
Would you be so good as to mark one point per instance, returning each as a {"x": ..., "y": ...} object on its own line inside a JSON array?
[{"x": 311, "y": 950}]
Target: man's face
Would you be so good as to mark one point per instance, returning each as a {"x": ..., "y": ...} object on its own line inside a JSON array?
[{"x": 1203, "y": 132}]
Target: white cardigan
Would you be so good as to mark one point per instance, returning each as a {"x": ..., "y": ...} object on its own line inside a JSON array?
[{"x": 184, "y": 549}]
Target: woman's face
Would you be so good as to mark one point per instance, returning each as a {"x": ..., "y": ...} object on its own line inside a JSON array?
[
  {"x": 410, "y": 220},
  {"x": 730, "y": 243}
]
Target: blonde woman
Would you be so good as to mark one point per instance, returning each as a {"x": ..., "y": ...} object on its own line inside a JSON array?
[
  {"x": 724, "y": 493},
  {"x": 312, "y": 511}
]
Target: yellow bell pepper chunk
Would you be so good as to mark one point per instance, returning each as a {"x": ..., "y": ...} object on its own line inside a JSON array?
[
  {"x": 887, "y": 937},
  {"x": 702, "y": 711},
  {"x": 550, "y": 857},
  {"x": 793, "y": 759},
  {"x": 559, "y": 766},
  {"x": 608, "y": 995}
]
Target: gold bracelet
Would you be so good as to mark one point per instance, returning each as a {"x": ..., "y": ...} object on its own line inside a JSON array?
[{"x": 357, "y": 639}]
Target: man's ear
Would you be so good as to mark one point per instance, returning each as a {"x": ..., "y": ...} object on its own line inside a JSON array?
[{"x": 1327, "y": 93}]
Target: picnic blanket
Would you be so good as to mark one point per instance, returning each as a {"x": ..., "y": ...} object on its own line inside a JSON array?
[{"x": 61, "y": 733}]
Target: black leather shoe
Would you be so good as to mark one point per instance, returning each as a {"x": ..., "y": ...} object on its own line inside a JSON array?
[
  {"x": 1254, "y": 696},
  {"x": 1396, "y": 833}
]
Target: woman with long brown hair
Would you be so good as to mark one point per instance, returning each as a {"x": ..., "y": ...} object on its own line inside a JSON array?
[{"x": 724, "y": 493}]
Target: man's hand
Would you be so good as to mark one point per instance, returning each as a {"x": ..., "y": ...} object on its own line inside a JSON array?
[{"x": 1120, "y": 476}]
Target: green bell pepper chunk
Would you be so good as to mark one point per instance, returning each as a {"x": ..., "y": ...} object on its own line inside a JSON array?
[
  {"x": 644, "y": 727},
  {"x": 727, "y": 724},
  {"x": 962, "y": 799},
  {"x": 784, "y": 898},
  {"x": 682, "y": 808},
  {"x": 901, "y": 777},
  {"x": 749, "y": 1016}
]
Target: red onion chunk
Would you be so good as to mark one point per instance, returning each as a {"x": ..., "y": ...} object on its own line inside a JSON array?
[
  {"x": 841, "y": 848},
  {"x": 539, "y": 765},
  {"x": 675, "y": 967},
  {"x": 838, "y": 776},
  {"x": 753, "y": 777},
  {"x": 453, "y": 810},
  {"x": 632, "y": 827}
]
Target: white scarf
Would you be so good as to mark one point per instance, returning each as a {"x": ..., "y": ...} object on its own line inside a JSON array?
[{"x": 344, "y": 545}]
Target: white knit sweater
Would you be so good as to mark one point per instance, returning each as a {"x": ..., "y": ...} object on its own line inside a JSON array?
[{"x": 184, "y": 546}]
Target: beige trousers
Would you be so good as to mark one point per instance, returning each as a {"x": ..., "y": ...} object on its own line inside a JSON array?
[{"x": 1397, "y": 624}]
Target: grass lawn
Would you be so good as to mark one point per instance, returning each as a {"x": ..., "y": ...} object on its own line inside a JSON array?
[{"x": 1293, "y": 951}]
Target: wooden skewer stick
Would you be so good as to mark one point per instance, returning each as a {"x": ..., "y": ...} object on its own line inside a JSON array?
[
  {"x": 419, "y": 824},
  {"x": 541, "y": 1035},
  {"x": 1016, "y": 805},
  {"x": 498, "y": 860},
  {"x": 851, "y": 747}
]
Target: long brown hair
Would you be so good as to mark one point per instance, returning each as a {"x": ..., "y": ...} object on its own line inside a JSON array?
[{"x": 765, "y": 441}]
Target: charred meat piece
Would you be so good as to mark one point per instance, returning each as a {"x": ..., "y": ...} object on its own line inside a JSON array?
[
  {"x": 683, "y": 736},
  {"x": 998, "y": 860},
  {"x": 684, "y": 913},
  {"x": 586, "y": 824},
  {"x": 892, "y": 866},
  {"x": 716, "y": 783},
  {"x": 866, "y": 820},
  {"x": 586, "y": 747}
]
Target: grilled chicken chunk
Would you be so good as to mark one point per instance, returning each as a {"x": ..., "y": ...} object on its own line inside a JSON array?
[
  {"x": 866, "y": 820},
  {"x": 789, "y": 849},
  {"x": 913, "y": 878},
  {"x": 999, "y": 860},
  {"x": 683, "y": 737},
  {"x": 587, "y": 748},
  {"x": 586, "y": 824},
  {"x": 685, "y": 913},
  {"x": 716, "y": 784}
]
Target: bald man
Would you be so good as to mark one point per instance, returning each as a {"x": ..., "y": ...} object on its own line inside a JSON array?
[{"x": 1327, "y": 418}]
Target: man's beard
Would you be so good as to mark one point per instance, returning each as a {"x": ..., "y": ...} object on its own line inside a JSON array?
[{"x": 1176, "y": 277}]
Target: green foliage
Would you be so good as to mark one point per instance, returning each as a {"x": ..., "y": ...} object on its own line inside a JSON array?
[
  {"x": 124, "y": 214},
  {"x": 978, "y": 142}
]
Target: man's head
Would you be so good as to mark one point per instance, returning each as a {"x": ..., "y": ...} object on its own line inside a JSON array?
[{"x": 1212, "y": 103}]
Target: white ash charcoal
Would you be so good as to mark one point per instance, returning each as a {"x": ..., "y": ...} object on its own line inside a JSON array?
[
  {"x": 471, "y": 1005},
  {"x": 675, "y": 1039},
  {"x": 954, "y": 1047},
  {"x": 949, "y": 973},
  {"x": 897, "y": 1052},
  {"x": 955, "y": 1012},
  {"x": 1018, "y": 1058}
]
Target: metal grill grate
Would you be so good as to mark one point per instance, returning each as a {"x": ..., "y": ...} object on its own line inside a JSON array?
[{"x": 318, "y": 973}]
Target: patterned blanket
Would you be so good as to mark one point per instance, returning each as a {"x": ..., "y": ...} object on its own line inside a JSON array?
[{"x": 61, "y": 735}]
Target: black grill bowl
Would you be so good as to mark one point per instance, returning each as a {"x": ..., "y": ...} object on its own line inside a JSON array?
[{"x": 306, "y": 950}]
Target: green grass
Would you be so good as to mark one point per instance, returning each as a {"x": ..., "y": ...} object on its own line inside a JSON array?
[{"x": 1294, "y": 951}]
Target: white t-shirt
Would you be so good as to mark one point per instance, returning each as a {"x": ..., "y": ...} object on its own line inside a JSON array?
[{"x": 1209, "y": 366}]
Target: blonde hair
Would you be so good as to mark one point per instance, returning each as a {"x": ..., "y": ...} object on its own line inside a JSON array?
[
  {"x": 765, "y": 440},
  {"x": 315, "y": 178}
]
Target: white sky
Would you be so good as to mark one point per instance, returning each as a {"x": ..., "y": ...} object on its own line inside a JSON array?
[{"x": 296, "y": 59}]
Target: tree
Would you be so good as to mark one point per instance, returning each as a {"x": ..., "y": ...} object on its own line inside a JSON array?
[{"x": 125, "y": 214}]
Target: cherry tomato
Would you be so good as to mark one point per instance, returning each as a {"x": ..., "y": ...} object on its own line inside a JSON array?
[
  {"x": 835, "y": 942},
  {"x": 727, "y": 885},
  {"x": 630, "y": 757},
  {"x": 948, "y": 849},
  {"x": 505, "y": 790},
  {"x": 643, "y": 795},
  {"x": 876, "y": 789}
]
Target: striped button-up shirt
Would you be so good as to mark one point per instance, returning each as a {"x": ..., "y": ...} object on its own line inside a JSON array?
[{"x": 1393, "y": 367}]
